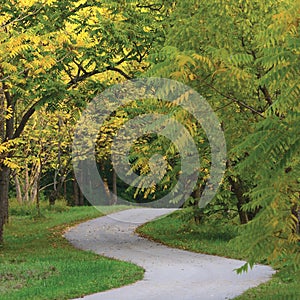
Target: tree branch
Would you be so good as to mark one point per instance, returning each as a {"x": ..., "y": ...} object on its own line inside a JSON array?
[
  {"x": 120, "y": 72},
  {"x": 21, "y": 17},
  {"x": 86, "y": 75},
  {"x": 267, "y": 95},
  {"x": 25, "y": 119},
  {"x": 241, "y": 103},
  {"x": 155, "y": 7}
]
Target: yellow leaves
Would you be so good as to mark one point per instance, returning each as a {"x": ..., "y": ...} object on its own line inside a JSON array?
[
  {"x": 9, "y": 67},
  {"x": 27, "y": 3},
  {"x": 35, "y": 39},
  {"x": 179, "y": 74},
  {"x": 62, "y": 38},
  {"x": 149, "y": 191},
  {"x": 4, "y": 150},
  {"x": 4, "y": 18},
  {"x": 14, "y": 51},
  {"x": 81, "y": 41},
  {"x": 75, "y": 40},
  {"x": 9, "y": 113},
  {"x": 47, "y": 62},
  {"x": 203, "y": 59},
  {"x": 10, "y": 164},
  {"x": 184, "y": 60},
  {"x": 24, "y": 50},
  {"x": 40, "y": 65},
  {"x": 192, "y": 77},
  {"x": 289, "y": 17},
  {"x": 184, "y": 63}
]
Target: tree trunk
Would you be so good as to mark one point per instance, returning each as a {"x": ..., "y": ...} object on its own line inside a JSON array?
[
  {"x": 35, "y": 182},
  {"x": 38, "y": 179},
  {"x": 81, "y": 197},
  {"x": 26, "y": 188},
  {"x": 18, "y": 189},
  {"x": 65, "y": 190},
  {"x": 4, "y": 188},
  {"x": 59, "y": 185},
  {"x": 105, "y": 184},
  {"x": 76, "y": 192},
  {"x": 114, "y": 197},
  {"x": 2, "y": 119},
  {"x": 197, "y": 212},
  {"x": 241, "y": 199}
]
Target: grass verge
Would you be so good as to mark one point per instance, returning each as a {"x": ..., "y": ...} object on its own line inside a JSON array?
[
  {"x": 36, "y": 262},
  {"x": 214, "y": 238}
]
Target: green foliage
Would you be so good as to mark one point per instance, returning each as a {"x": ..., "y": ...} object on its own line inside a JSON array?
[
  {"x": 273, "y": 234},
  {"x": 243, "y": 56},
  {"x": 30, "y": 210},
  {"x": 44, "y": 149},
  {"x": 148, "y": 145},
  {"x": 274, "y": 147}
]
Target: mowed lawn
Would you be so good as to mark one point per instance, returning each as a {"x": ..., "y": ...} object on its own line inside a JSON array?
[{"x": 36, "y": 262}]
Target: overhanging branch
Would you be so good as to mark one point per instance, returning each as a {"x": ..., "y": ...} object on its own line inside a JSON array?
[{"x": 239, "y": 102}]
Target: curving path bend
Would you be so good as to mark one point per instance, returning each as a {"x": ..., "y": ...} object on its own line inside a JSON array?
[{"x": 169, "y": 273}]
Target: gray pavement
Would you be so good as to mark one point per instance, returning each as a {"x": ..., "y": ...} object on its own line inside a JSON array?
[{"x": 170, "y": 274}]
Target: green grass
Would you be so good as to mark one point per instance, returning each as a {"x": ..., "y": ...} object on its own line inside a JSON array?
[
  {"x": 36, "y": 262},
  {"x": 213, "y": 237}
]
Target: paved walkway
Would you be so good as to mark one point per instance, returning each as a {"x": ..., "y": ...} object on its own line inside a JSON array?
[{"x": 171, "y": 274}]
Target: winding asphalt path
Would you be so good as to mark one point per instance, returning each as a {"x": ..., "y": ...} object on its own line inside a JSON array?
[{"x": 170, "y": 274}]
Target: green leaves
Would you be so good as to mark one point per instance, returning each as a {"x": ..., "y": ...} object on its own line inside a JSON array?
[{"x": 244, "y": 59}]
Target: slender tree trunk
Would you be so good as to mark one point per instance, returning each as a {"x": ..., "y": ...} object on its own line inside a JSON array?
[
  {"x": 1, "y": 216},
  {"x": 65, "y": 190},
  {"x": 56, "y": 189},
  {"x": 38, "y": 179},
  {"x": 114, "y": 197},
  {"x": 59, "y": 186},
  {"x": 75, "y": 192},
  {"x": 26, "y": 189},
  {"x": 35, "y": 182},
  {"x": 81, "y": 197},
  {"x": 87, "y": 181},
  {"x": 18, "y": 189}
]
